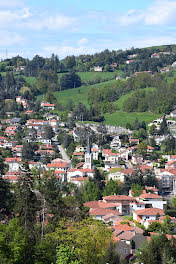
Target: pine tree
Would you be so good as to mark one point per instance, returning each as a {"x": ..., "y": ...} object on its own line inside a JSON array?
[
  {"x": 26, "y": 204},
  {"x": 5, "y": 194}
]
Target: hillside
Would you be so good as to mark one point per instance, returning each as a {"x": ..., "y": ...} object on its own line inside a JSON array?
[{"x": 141, "y": 70}]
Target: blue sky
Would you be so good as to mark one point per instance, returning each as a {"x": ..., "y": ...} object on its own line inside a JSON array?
[{"x": 30, "y": 27}]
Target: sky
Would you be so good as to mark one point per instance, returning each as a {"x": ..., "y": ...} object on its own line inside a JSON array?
[{"x": 73, "y": 27}]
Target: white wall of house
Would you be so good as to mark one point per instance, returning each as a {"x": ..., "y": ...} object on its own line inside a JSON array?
[
  {"x": 116, "y": 176},
  {"x": 14, "y": 166},
  {"x": 156, "y": 203},
  {"x": 134, "y": 206}
]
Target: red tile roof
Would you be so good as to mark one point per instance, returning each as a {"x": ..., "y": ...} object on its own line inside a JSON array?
[
  {"x": 151, "y": 196},
  {"x": 119, "y": 198},
  {"x": 80, "y": 179},
  {"x": 57, "y": 165},
  {"x": 149, "y": 211},
  {"x": 100, "y": 204},
  {"x": 126, "y": 235},
  {"x": 102, "y": 212},
  {"x": 12, "y": 159}
]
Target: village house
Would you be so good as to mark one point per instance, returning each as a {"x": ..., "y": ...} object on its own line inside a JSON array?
[
  {"x": 98, "y": 69},
  {"x": 152, "y": 200},
  {"x": 165, "y": 69},
  {"x": 73, "y": 172},
  {"x": 79, "y": 149},
  {"x": 173, "y": 113},
  {"x": 78, "y": 155},
  {"x": 47, "y": 106},
  {"x": 143, "y": 215},
  {"x": 13, "y": 163},
  {"x": 116, "y": 174},
  {"x": 12, "y": 176},
  {"x": 98, "y": 213},
  {"x": 123, "y": 200},
  {"x": 79, "y": 181}
]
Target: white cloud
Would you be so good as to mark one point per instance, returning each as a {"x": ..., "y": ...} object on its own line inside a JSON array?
[
  {"x": 58, "y": 22},
  {"x": 9, "y": 39},
  {"x": 147, "y": 41},
  {"x": 82, "y": 41},
  {"x": 63, "y": 51},
  {"x": 8, "y": 17},
  {"x": 162, "y": 12},
  {"x": 11, "y": 3}
]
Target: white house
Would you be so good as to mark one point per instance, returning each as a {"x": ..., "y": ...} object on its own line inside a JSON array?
[
  {"x": 152, "y": 200},
  {"x": 14, "y": 163},
  {"x": 143, "y": 215},
  {"x": 98, "y": 69}
]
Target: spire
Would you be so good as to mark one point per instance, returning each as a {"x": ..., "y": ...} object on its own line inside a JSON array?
[{"x": 88, "y": 147}]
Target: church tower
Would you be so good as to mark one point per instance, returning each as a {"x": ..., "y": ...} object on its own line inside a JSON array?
[{"x": 88, "y": 157}]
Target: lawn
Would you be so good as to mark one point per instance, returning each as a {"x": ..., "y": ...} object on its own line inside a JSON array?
[
  {"x": 87, "y": 77},
  {"x": 79, "y": 94},
  {"x": 121, "y": 118},
  {"x": 170, "y": 76},
  {"x": 31, "y": 80}
]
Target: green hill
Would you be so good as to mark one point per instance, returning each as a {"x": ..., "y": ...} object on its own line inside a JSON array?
[{"x": 80, "y": 94}]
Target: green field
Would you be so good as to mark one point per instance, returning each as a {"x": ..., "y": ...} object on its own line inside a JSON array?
[
  {"x": 87, "y": 77},
  {"x": 121, "y": 118},
  {"x": 30, "y": 80},
  {"x": 78, "y": 95},
  {"x": 170, "y": 76},
  {"x": 118, "y": 118}
]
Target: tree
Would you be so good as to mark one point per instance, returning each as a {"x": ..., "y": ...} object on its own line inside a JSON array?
[
  {"x": 142, "y": 148},
  {"x": 67, "y": 139},
  {"x": 107, "y": 68},
  {"x": 48, "y": 132},
  {"x": 26, "y": 207},
  {"x": 70, "y": 62},
  {"x": 26, "y": 204},
  {"x": 173, "y": 201},
  {"x": 66, "y": 255},
  {"x": 99, "y": 179},
  {"x": 13, "y": 243},
  {"x": 168, "y": 226},
  {"x": 27, "y": 151},
  {"x": 153, "y": 130},
  {"x": 91, "y": 192},
  {"x": 70, "y": 80},
  {"x": 156, "y": 251},
  {"x": 155, "y": 227},
  {"x": 163, "y": 127},
  {"x": 136, "y": 189},
  {"x": 50, "y": 97},
  {"x": 111, "y": 256},
  {"x": 89, "y": 238},
  {"x": 6, "y": 200},
  {"x": 111, "y": 188}
]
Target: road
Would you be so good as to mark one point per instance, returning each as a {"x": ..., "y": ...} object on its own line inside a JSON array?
[{"x": 64, "y": 154}]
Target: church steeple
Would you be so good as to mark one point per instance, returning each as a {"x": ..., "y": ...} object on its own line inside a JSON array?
[{"x": 88, "y": 157}]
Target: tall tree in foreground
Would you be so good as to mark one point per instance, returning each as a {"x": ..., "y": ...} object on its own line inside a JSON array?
[
  {"x": 158, "y": 250},
  {"x": 5, "y": 194},
  {"x": 13, "y": 243},
  {"x": 26, "y": 207},
  {"x": 89, "y": 238}
]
